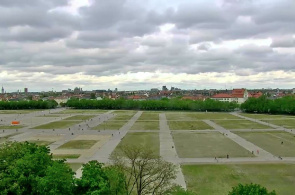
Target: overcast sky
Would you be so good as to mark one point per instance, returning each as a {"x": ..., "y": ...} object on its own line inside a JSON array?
[{"x": 143, "y": 44}]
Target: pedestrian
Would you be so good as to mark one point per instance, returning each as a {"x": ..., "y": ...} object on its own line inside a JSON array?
[
  {"x": 282, "y": 142},
  {"x": 227, "y": 156},
  {"x": 257, "y": 151}
]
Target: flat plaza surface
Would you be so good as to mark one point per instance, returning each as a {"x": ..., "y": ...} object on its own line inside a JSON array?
[
  {"x": 278, "y": 143},
  {"x": 207, "y": 144},
  {"x": 240, "y": 124},
  {"x": 219, "y": 179},
  {"x": 182, "y": 138}
]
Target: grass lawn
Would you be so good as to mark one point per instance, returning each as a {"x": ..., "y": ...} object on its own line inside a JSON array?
[
  {"x": 266, "y": 116},
  {"x": 50, "y": 115},
  {"x": 271, "y": 142},
  {"x": 64, "y": 156},
  {"x": 188, "y": 125},
  {"x": 145, "y": 125},
  {"x": 149, "y": 140},
  {"x": 57, "y": 125},
  {"x": 18, "y": 111},
  {"x": 75, "y": 166},
  {"x": 198, "y": 116},
  {"x": 40, "y": 142},
  {"x": 110, "y": 125},
  {"x": 145, "y": 116},
  {"x": 80, "y": 117},
  {"x": 206, "y": 144},
  {"x": 11, "y": 127},
  {"x": 240, "y": 124},
  {"x": 287, "y": 123},
  {"x": 219, "y": 179},
  {"x": 123, "y": 115},
  {"x": 78, "y": 144},
  {"x": 81, "y": 111},
  {"x": 6, "y": 138}
]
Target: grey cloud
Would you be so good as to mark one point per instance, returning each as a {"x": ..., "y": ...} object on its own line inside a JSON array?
[{"x": 283, "y": 41}]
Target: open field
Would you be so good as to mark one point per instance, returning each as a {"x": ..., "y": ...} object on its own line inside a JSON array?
[
  {"x": 65, "y": 156},
  {"x": 267, "y": 116},
  {"x": 78, "y": 144},
  {"x": 40, "y": 142},
  {"x": 145, "y": 125},
  {"x": 75, "y": 166},
  {"x": 149, "y": 140},
  {"x": 6, "y": 138},
  {"x": 50, "y": 115},
  {"x": 188, "y": 125},
  {"x": 123, "y": 115},
  {"x": 272, "y": 141},
  {"x": 110, "y": 125},
  {"x": 206, "y": 144},
  {"x": 219, "y": 179},
  {"x": 18, "y": 111},
  {"x": 80, "y": 117},
  {"x": 57, "y": 125},
  {"x": 81, "y": 111},
  {"x": 286, "y": 123},
  {"x": 198, "y": 115},
  {"x": 146, "y": 116},
  {"x": 240, "y": 124},
  {"x": 11, "y": 127}
]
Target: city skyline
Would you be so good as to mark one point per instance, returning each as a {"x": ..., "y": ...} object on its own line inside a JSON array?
[{"x": 218, "y": 44}]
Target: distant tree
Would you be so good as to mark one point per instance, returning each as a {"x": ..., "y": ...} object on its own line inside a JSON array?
[
  {"x": 250, "y": 189},
  {"x": 92, "y": 96},
  {"x": 146, "y": 172},
  {"x": 178, "y": 190}
]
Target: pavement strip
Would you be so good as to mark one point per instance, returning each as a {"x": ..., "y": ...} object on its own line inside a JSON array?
[{"x": 168, "y": 151}]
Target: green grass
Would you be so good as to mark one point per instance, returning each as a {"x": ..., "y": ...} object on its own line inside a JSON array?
[
  {"x": 266, "y": 116},
  {"x": 240, "y": 124},
  {"x": 18, "y": 111},
  {"x": 75, "y": 166},
  {"x": 188, "y": 125},
  {"x": 78, "y": 144},
  {"x": 80, "y": 117},
  {"x": 66, "y": 156},
  {"x": 145, "y": 125},
  {"x": 57, "y": 125},
  {"x": 219, "y": 179},
  {"x": 146, "y": 116},
  {"x": 11, "y": 127},
  {"x": 198, "y": 116},
  {"x": 287, "y": 123},
  {"x": 40, "y": 142},
  {"x": 148, "y": 139},
  {"x": 110, "y": 125},
  {"x": 206, "y": 144},
  {"x": 123, "y": 115},
  {"x": 81, "y": 111},
  {"x": 271, "y": 142}
]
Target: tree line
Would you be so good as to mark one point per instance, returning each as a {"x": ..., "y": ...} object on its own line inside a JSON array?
[
  {"x": 284, "y": 105},
  {"x": 164, "y": 104},
  {"x": 30, "y": 104}
]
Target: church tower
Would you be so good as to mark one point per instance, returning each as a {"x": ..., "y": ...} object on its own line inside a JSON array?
[{"x": 2, "y": 90}]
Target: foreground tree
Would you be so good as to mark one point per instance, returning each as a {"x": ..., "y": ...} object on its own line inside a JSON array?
[
  {"x": 26, "y": 168},
  {"x": 250, "y": 189},
  {"x": 146, "y": 172}
]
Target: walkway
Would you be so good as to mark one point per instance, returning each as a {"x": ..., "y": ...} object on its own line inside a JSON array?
[{"x": 168, "y": 151}]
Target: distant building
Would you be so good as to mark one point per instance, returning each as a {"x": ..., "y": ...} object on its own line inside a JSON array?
[
  {"x": 164, "y": 88},
  {"x": 237, "y": 95},
  {"x": 26, "y": 90},
  {"x": 2, "y": 90}
]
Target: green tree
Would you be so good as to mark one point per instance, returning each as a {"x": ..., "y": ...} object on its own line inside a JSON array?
[
  {"x": 26, "y": 168},
  {"x": 94, "y": 180},
  {"x": 92, "y": 96},
  {"x": 250, "y": 189}
]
